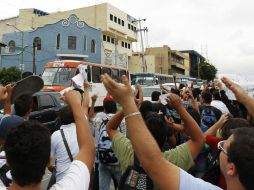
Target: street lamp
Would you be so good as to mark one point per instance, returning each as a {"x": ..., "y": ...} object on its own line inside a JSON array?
[{"x": 22, "y": 41}]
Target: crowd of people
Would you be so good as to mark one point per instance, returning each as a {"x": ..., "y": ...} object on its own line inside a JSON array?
[{"x": 183, "y": 139}]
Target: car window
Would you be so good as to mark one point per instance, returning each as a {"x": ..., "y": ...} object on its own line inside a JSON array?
[{"x": 45, "y": 101}]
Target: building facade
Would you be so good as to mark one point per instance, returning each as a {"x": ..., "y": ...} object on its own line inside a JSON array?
[
  {"x": 118, "y": 28},
  {"x": 195, "y": 58},
  {"x": 160, "y": 60},
  {"x": 68, "y": 38}
]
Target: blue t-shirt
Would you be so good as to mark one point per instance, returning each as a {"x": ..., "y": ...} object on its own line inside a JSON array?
[{"x": 7, "y": 123}]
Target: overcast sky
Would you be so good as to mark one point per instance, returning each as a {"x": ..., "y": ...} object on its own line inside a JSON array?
[{"x": 221, "y": 29}]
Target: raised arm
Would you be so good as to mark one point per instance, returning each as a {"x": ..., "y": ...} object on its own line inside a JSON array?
[
  {"x": 213, "y": 129},
  {"x": 86, "y": 97},
  {"x": 85, "y": 139},
  {"x": 91, "y": 110},
  {"x": 160, "y": 170},
  {"x": 240, "y": 95},
  {"x": 114, "y": 123},
  {"x": 197, "y": 140},
  {"x": 7, "y": 102}
]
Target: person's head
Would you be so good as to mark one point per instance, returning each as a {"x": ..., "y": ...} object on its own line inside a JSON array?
[
  {"x": 155, "y": 95},
  {"x": 237, "y": 159},
  {"x": 66, "y": 116},
  {"x": 23, "y": 105},
  {"x": 233, "y": 123},
  {"x": 159, "y": 108},
  {"x": 216, "y": 95},
  {"x": 181, "y": 86},
  {"x": 206, "y": 97},
  {"x": 145, "y": 107},
  {"x": 157, "y": 127},
  {"x": 176, "y": 91},
  {"x": 27, "y": 150},
  {"x": 109, "y": 106}
]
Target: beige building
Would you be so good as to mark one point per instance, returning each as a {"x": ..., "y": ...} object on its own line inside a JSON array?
[
  {"x": 160, "y": 60},
  {"x": 118, "y": 28}
]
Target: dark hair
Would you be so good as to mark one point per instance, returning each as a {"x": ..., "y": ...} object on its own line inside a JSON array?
[
  {"x": 234, "y": 123},
  {"x": 181, "y": 86},
  {"x": 23, "y": 104},
  {"x": 66, "y": 115},
  {"x": 176, "y": 91},
  {"x": 216, "y": 95},
  {"x": 194, "y": 114},
  {"x": 110, "y": 106},
  {"x": 159, "y": 107},
  {"x": 241, "y": 153},
  {"x": 27, "y": 150},
  {"x": 155, "y": 95},
  {"x": 157, "y": 126},
  {"x": 207, "y": 97},
  {"x": 145, "y": 107}
]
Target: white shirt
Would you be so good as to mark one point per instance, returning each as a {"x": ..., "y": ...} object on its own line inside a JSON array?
[
  {"x": 220, "y": 106},
  {"x": 189, "y": 182},
  {"x": 59, "y": 152},
  {"x": 76, "y": 178}
]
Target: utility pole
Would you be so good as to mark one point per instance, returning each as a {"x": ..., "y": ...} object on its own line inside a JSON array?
[
  {"x": 145, "y": 29},
  {"x": 34, "y": 66}
]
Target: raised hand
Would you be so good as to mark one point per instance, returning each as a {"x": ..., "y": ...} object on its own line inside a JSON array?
[
  {"x": 3, "y": 93},
  {"x": 174, "y": 101},
  {"x": 72, "y": 97},
  {"x": 121, "y": 93},
  {"x": 239, "y": 92}
]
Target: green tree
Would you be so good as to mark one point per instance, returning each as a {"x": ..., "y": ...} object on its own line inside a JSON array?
[
  {"x": 207, "y": 71},
  {"x": 9, "y": 75}
]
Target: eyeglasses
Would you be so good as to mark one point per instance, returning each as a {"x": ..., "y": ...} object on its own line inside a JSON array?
[{"x": 221, "y": 147}]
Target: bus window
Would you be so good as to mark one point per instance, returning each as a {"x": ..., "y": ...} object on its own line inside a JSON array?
[
  {"x": 96, "y": 72},
  {"x": 115, "y": 74},
  {"x": 122, "y": 72},
  {"x": 88, "y": 71},
  {"x": 106, "y": 70}
]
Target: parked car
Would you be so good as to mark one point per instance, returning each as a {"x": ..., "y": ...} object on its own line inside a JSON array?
[
  {"x": 148, "y": 90},
  {"x": 45, "y": 109}
]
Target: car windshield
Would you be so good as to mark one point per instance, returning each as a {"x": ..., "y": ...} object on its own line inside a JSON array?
[
  {"x": 58, "y": 76},
  {"x": 144, "y": 80},
  {"x": 148, "y": 91}
]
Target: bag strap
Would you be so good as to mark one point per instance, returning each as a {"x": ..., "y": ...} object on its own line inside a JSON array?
[{"x": 66, "y": 145}]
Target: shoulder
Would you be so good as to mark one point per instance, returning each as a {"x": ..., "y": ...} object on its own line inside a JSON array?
[
  {"x": 77, "y": 177},
  {"x": 189, "y": 182}
]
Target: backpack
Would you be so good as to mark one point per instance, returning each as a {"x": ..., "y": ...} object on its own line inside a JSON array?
[
  {"x": 135, "y": 178},
  {"x": 212, "y": 173},
  {"x": 208, "y": 118},
  {"x": 105, "y": 152}
]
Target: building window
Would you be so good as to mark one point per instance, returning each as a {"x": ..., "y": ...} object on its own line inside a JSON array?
[
  {"x": 129, "y": 26},
  {"x": 112, "y": 40},
  {"x": 58, "y": 41},
  {"x": 104, "y": 38},
  {"x": 125, "y": 44},
  {"x": 115, "y": 19},
  {"x": 108, "y": 39},
  {"x": 119, "y": 21},
  {"x": 129, "y": 46},
  {"x": 122, "y": 23},
  {"x": 122, "y": 44},
  {"x": 93, "y": 44},
  {"x": 37, "y": 43},
  {"x": 11, "y": 46},
  {"x": 72, "y": 42},
  {"x": 85, "y": 42},
  {"x": 111, "y": 17},
  {"x": 135, "y": 29}
]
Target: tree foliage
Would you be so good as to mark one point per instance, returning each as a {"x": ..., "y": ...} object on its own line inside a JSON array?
[
  {"x": 207, "y": 71},
  {"x": 9, "y": 75}
]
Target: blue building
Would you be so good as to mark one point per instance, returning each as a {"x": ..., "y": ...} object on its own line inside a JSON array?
[{"x": 67, "y": 39}]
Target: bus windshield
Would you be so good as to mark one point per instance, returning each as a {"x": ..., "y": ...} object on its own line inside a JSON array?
[{"x": 58, "y": 76}]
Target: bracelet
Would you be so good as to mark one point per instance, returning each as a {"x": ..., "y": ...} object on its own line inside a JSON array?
[{"x": 132, "y": 114}]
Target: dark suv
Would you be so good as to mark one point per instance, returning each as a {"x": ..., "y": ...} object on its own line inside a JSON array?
[{"x": 45, "y": 109}]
